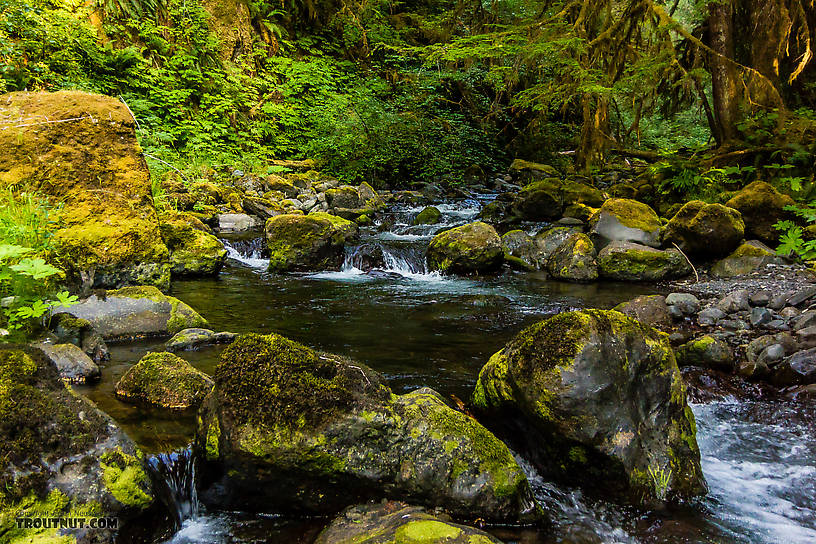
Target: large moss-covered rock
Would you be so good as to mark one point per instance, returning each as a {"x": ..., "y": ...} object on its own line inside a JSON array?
[
  {"x": 474, "y": 248},
  {"x": 596, "y": 398},
  {"x": 548, "y": 240},
  {"x": 292, "y": 429},
  {"x": 634, "y": 262},
  {"x": 304, "y": 243},
  {"x": 428, "y": 216},
  {"x": 747, "y": 258},
  {"x": 709, "y": 230},
  {"x": 574, "y": 260},
  {"x": 344, "y": 196},
  {"x": 625, "y": 220},
  {"x": 398, "y": 523},
  {"x": 196, "y": 338},
  {"x": 193, "y": 251},
  {"x": 761, "y": 206},
  {"x": 86, "y": 157},
  {"x": 545, "y": 200},
  {"x": 133, "y": 312},
  {"x": 61, "y": 455},
  {"x": 165, "y": 380}
]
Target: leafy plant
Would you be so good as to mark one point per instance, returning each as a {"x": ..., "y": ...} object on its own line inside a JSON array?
[{"x": 661, "y": 479}]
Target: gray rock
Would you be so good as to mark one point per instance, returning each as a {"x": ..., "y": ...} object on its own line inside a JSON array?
[
  {"x": 238, "y": 222},
  {"x": 760, "y": 298},
  {"x": 772, "y": 354},
  {"x": 798, "y": 369},
  {"x": 778, "y": 324},
  {"x": 758, "y": 345},
  {"x": 706, "y": 351},
  {"x": 802, "y": 295},
  {"x": 522, "y": 246},
  {"x": 193, "y": 339},
  {"x": 779, "y": 301},
  {"x": 789, "y": 312},
  {"x": 755, "y": 370},
  {"x": 69, "y": 330},
  {"x": 625, "y": 220},
  {"x": 548, "y": 240},
  {"x": 687, "y": 303},
  {"x": 650, "y": 310},
  {"x": 570, "y": 222},
  {"x": 734, "y": 301},
  {"x": 807, "y": 337},
  {"x": 749, "y": 257},
  {"x": 710, "y": 316},
  {"x": 732, "y": 324},
  {"x": 804, "y": 320},
  {"x": 574, "y": 260},
  {"x": 73, "y": 364},
  {"x": 760, "y": 316},
  {"x": 676, "y": 313}
]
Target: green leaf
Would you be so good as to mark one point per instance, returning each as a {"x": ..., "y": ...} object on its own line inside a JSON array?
[{"x": 36, "y": 268}]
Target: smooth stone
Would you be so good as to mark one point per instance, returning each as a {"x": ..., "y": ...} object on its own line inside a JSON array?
[
  {"x": 772, "y": 354},
  {"x": 798, "y": 369},
  {"x": 789, "y": 312},
  {"x": 676, "y": 313},
  {"x": 802, "y": 295},
  {"x": 195, "y": 338},
  {"x": 710, "y": 316},
  {"x": 734, "y": 301},
  {"x": 777, "y": 324},
  {"x": 760, "y": 298},
  {"x": 804, "y": 320},
  {"x": 237, "y": 222},
  {"x": 807, "y": 337},
  {"x": 732, "y": 324},
  {"x": 760, "y": 316},
  {"x": 73, "y": 364},
  {"x": 687, "y": 303},
  {"x": 758, "y": 345},
  {"x": 779, "y": 301}
]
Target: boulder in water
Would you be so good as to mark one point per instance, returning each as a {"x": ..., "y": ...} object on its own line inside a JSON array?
[
  {"x": 706, "y": 351},
  {"x": 133, "y": 312},
  {"x": 520, "y": 248},
  {"x": 237, "y": 222},
  {"x": 708, "y": 230},
  {"x": 164, "y": 380},
  {"x": 292, "y": 429},
  {"x": 428, "y": 216},
  {"x": 305, "y": 243},
  {"x": 574, "y": 260},
  {"x": 193, "y": 251},
  {"x": 398, "y": 523},
  {"x": 61, "y": 455},
  {"x": 71, "y": 330},
  {"x": 73, "y": 364},
  {"x": 596, "y": 398},
  {"x": 625, "y": 220},
  {"x": 474, "y": 248},
  {"x": 628, "y": 261},
  {"x": 196, "y": 338}
]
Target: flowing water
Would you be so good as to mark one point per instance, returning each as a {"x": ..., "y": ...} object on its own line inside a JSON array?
[{"x": 418, "y": 328}]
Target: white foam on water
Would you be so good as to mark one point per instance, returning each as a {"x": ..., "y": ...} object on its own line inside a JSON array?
[
  {"x": 202, "y": 530},
  {"x": 253, "y": 261}
]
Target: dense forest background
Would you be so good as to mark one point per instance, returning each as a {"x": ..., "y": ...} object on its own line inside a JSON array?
[{"x": 398, "y": 93}]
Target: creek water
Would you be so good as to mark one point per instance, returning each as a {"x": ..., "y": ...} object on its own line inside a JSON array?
[{"x": 422, "y": 329}]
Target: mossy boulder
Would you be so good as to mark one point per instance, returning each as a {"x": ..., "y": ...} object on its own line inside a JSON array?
[
  {"x": 747, "y": 258},
  {"x": 86, "y": 158},
  {"x": 523, "y": 250},
  {"x": 164, "y": 380},
  {"x": 549, "y": 239},
  {"x": 707, "y": 230},
  {"x": 545, "y": 200},
  {"x": 193, "y": 251},
  {"x": 61, "y": 455},
  {"x": 344, "y": 196},
  {"x": 761, "y": 206},
  {"x": 627, "y": 261},
  {"x": 625, "y": 220},
  {"x": 474, "y": 248},
  {"x": 395, "y": 522},
  {"x": 68, "y": 329},
  {"x": 532, "y": 171},
  {"x": 574, "y": 260},
  {"x": 133, "y": 312},
  {"x": 73, "y": 364},
  {"x": 304, "y": 243},
  {"x": 596, "y": 398},
  {"x": 706, "y": 351},
  {"x": 291, "y": 429},
  {"x": 428, "y": 216}
]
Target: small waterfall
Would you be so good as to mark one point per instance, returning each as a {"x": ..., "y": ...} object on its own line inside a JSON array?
[
  {"x": 248, "y": 251},
  {"x": 175, "y": 474},
  {"x": 373, "y": 257}
]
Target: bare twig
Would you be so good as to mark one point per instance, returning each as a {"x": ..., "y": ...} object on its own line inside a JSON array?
[
  {"x": 130, "y": 112},
  {"x": 50, "y": 122},
  {"x": 168, "y": 165},
  {"x": 696, "y": 275}
]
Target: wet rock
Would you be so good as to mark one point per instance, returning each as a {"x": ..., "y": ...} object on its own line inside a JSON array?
[
  {"x": 164, "y": 380},
  {"x": 305, "y": 243},
  {"x": 705, "y": 229},
  {"x": 758, "y": 345},
  {"x": 574, "y": 260},
  {"x": 802, "y": 394},
  {"x": 760, "y": 316},
  {"x": 344, "y": 196},
  {"x": 779, "y": 300},
  {"x": 789, "y": 312},
  {"x": 733, "y": 324},
  {"x": 651, "y": 310},
  {"x": 517, "y": 244},
  {"x": 710, "y": 316},
  {"x": 527, "y": 171},
  {"x": 397, "y": 523},
  {"x": 761, "y": 206},
  {"x": 772, "y": 354},
  {"x": 735, "y": 301},
  {"x": 747, "y": 258},
  {"x": 575, "y": 391},
  {"x": 368, "y": 257},
  {"x": 474, "y": 248},
  {"x": 548, "y": 240},
  {"x": 687, "y": 304},
  {"x": 193, "y": 339},
  {"x": 545, "y": 200},
  {"x": 570, "y": 222},
  {"x": 428, "y": 216},
  {"x": 778, "y": 324},
  {"x": 69, "y": 330},
  {"x": 133, "y": 312},
  {"x": 73, "y": 364},
  {"x": 798, "y": 369},
  {"x": 62, "y": 455},
  {"x": 624, "y": 220},
  {"x": 706, "y": 351},
  {"x": 193, "y": 251},
  {"x": 628, "y": 261},
  {"x": 290, "y": 429},
  {"x": 802, "y": 295},
  {"x": 238, "y": 222}
]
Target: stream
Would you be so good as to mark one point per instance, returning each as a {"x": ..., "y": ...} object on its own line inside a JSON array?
[{"x": 422, "y": 329}]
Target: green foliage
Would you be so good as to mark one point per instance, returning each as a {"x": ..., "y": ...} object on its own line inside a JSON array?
[{"x": 26, "y": 219}]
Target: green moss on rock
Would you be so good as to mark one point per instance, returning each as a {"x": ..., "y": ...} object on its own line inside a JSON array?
[
  {"x": 299, "y": 243},
  {"x": 126, "y": 479},
  {"x": 164, "y": 380},
  {"x": 474, "y": 248}
]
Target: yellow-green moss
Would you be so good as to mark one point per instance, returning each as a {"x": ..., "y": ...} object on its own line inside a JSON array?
[
  {"x": 632, "y": 214},
  {"x": 211, "y": 450},
  {"x": 55, "y": 504},
  {"x": 126, "y": 479},
  {"x": 426, "y": 532}
]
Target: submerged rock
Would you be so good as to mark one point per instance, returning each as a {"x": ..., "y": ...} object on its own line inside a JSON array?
[
  {"x": 292, "y": 429},
  {"x": 73, "y": 364},
  {"x": 304, "y": 243},
  {"x": 628, "y": 261},
  {"x": 709, "y": 230},
  {"x": 574, "y": 260},
  {"x": 135, "y": 311},
  {"x": 761, "y": 206},
  {"x": 474, "y": 248},
  {"x": 625, "y": 220},
  {"x": 397, "y": 523},
  {"x": 164, "y": 380},
  {"x": 595, "y": 397},
  {"x": 61, "y": 455},
  {"x": 192, "y": 339},
  {"x": 747, "y": 258},
  {"x": 108, "y": 232}
]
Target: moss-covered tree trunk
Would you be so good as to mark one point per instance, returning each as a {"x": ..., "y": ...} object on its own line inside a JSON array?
[{"x": 724, "y": 73}]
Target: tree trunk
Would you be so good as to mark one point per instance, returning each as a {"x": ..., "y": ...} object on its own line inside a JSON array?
[
  {"x": 594, "y": 131},
  {"x": 724, "y": 74}
]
